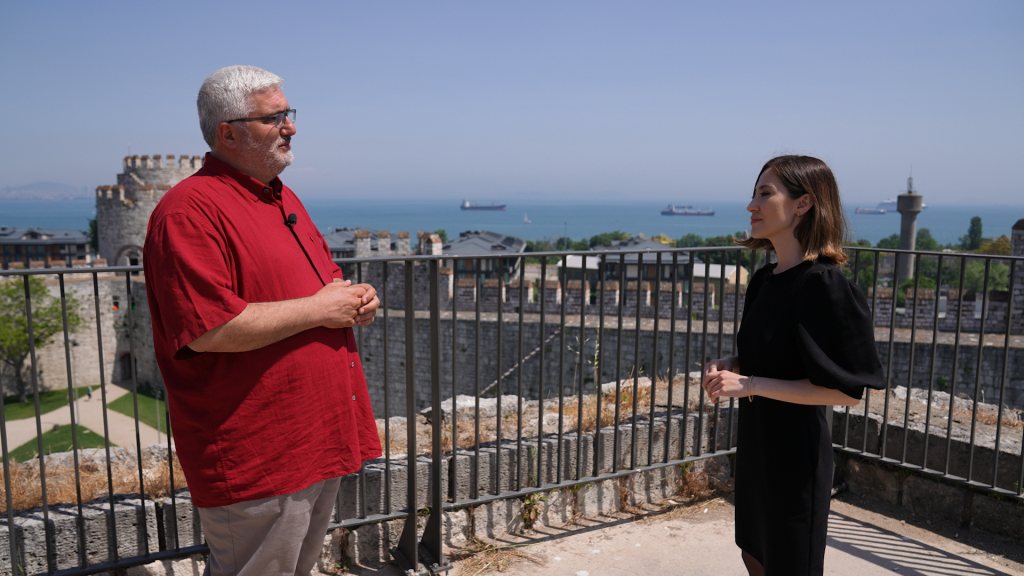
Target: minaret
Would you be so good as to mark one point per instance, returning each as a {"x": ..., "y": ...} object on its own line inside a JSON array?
[{"x": 908, "y": 205}]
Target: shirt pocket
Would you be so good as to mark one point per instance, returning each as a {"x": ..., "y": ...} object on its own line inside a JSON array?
[{"x": 319, "y": 257}]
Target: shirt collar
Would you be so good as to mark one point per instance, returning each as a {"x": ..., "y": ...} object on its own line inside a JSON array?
[{"x": 258, "y": 191}]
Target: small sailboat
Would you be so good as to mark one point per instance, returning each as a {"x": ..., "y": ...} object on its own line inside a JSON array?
[{"x": 526, "y": 220}]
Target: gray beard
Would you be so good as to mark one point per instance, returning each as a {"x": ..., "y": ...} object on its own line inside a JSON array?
[{"x": 263, "y": 158}]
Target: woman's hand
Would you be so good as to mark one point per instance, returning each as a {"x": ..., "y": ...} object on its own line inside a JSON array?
[
  {"x": 726, "y": 383},
  {"x": 730, "y": 363}
]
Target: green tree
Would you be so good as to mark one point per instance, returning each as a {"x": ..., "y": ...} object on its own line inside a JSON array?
[
  {"x": 94, "y": 236},
  {"x": 925, "y": 241},
  {"x": 607, "y": 238},
  {"x": 865, "y": 263},
  {"x": 443, "y": 234},
  {"x": 972, "y": 241},
  {"x": 891, "y": 243},
  {"x": 47, "y": 322},
  {"x": 690, "y": 240}
]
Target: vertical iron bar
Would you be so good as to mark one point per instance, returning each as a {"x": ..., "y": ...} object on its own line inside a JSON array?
[
  {"x": 671, "y": 356},
  {"x": 888, "y": 369},
  {"x": 718, "y": 351},
  {"x": 540, "y": 372},
  {"x": 80, "y": 520},
  {"x": 686, "y": 360},
  {"x": 455, "y": 387},
  {"x": 654, "y": 360},
  {"x": 977, "y": 371},
  {"x": 616, "y": 436},
  {"x": 636, "y": 361},
  {"x": 103, "y": 397},
  {"x": 735, "y": 331},
  {"x": 703, "y": 354},
  {"x": 477, "y": 292},
  {"x": 135, "y": 404},
  {"x": 12, "y": 540},
  {"x": 170, "y": 473},
  {"x": 50, "y": 553},
  {"x": 856, "y": 282},
  {"x": 910, "y": 369},
  {"x": 584, "y": 285},
  {"x": 1002, "y": 381},
  {"x": 134, "y": 394},
  {"x": 956, "y": 358},
  {"x": 499, "y": 414},
  {"x": 874, "y": 307},
  {"x": 519, "y": 375},
  {"x": 406, "y": 554},
  {"x": 561, "y": 370},
  {"x": 599, "y": 369},
  {"x": 385, "y": 304},
  {"x": 931, "y": 367},
  {"x": 431, "y": 541}
]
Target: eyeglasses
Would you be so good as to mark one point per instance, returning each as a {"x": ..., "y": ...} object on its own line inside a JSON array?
[{"x": 277, "y": 119}]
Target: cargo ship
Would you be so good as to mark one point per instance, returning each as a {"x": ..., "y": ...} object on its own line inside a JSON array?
[
  {"x": 467, "y": 205},
  {"x": 870, "y": 211},
  {"x": 672, "y": 210}
]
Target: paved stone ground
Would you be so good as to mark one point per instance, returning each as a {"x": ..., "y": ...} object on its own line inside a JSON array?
[
  {"x": 866, "y": 538},
  {"x": 89, "y": 413}
]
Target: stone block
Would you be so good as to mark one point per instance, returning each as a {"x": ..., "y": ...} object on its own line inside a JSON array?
[
  {"x": 181, "y": 524},
  {"x": 596, "y": 498},
  {"x": 495, "y": 519},
  {"x": 1000, "y": 516},
  {"x": 62, "y": 535},
  {"x": 867, "y": 479},
  {"x": 934, "y": 500},
  {"x": 192, "y": 566}
]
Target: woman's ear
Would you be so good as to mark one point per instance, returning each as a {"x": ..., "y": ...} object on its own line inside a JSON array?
[{"x": 804, "y": 204}]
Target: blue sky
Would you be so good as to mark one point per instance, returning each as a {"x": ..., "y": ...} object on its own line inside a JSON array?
[{"x": 541, "y": 100}]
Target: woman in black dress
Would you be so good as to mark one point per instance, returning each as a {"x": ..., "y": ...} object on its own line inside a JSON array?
[{"x": 806, "y": 342}]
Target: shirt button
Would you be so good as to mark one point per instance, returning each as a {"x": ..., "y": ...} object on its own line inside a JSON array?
[
  {"x": 353, "y": 364},
  {"x": 266, "y": 190},
  {"x": 353, "y": 396}
]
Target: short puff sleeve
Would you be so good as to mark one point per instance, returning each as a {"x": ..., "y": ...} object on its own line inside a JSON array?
[{"x": 835, "y": 335}]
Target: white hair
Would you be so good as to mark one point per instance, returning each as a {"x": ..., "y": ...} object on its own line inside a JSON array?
[{"x": 226, "y": 95}]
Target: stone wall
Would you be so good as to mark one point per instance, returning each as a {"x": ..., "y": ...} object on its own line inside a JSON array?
[{"x": 556, "y": 370}]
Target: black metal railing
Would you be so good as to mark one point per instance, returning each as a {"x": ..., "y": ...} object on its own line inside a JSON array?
[{"x": 604, "y": 407}]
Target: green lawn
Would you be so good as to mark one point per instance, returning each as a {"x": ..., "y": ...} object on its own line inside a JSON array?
[
  {"x": 148, "y": 406},
  {"x": 58, "y": 441},
  {"x": 48, "y": 402}
]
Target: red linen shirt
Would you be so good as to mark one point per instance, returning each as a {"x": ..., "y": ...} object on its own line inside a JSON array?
[{"x": 272, "y": 421}]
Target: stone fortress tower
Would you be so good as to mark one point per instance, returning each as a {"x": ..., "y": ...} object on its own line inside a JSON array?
[{"x": 123, "y": 210}]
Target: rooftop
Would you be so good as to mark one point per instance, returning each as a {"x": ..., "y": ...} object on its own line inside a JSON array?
[
  {"x": 483, "y": 243},
  {"x": 30, "y": 235}
]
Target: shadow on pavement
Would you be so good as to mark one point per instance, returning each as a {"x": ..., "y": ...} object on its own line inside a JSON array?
[{"x": 898, "y": 553}]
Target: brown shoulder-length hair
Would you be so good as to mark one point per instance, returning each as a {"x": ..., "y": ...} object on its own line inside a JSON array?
[{"x": 823, "y": 229}]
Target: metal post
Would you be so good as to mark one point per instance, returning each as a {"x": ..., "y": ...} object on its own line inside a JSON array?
[{"x": 405, "y": 554}]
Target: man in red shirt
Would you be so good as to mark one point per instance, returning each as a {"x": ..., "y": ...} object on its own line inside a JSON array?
[{"x": 252, "y": 329}]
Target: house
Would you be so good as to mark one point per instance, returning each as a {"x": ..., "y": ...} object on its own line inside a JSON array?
[
  {"x": 488, "y": 247},
  {"x": 27, "y": 245},
  {"x": 614, "y": 256}
]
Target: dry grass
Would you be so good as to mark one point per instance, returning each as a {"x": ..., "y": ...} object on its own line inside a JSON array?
[
  {"x": 571, "y": 407},
  {"x": 26, "y": 485},
  {"x": 988, "y": 414},
  {"x": 479, "y": 556}
]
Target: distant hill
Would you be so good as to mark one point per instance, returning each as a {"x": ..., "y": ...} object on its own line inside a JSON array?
[{"x": 44, "y": 191}]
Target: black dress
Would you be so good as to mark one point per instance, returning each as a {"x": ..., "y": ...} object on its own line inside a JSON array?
[{"x": 806, "y": 322}]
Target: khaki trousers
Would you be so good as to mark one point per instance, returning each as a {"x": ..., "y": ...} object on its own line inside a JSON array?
[{"x": 280, "y": 535}]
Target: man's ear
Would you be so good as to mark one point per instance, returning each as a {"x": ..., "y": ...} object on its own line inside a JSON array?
[{"x": 227, "y": 136}]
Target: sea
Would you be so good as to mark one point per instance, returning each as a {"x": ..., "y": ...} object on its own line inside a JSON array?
[{"x": 539, "y": 219}]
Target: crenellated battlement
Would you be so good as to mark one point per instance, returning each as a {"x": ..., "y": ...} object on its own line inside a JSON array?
[
  {"x": 123, "y": 209},
  {"x": 156, "y": 162}
]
